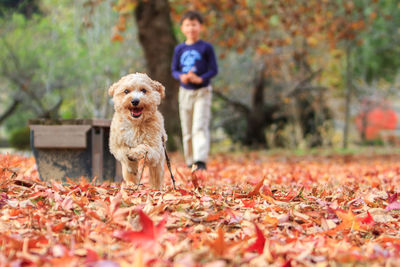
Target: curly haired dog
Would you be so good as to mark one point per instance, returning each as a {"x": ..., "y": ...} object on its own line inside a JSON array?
[{"x": 137, "y": 127}]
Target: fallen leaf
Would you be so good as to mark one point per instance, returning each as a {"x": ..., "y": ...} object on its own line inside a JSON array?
[
  {"x": 260, "y": 241},
  {"x": 219, "y": 246},
  {"x": 368, "y": 219},
  {"x": 148, "y": 234},
  {"x": 349, "y": 220}
]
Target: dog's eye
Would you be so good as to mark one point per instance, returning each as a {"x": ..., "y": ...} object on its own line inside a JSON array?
[
  {"x": 143, "y": 90},
  {"x": 126, "y": 91}
]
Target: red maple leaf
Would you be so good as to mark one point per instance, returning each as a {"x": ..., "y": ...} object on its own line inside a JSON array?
[
  {"x": 260, "y": 242},
  {"x": 149, "y": 232},
  {"x": 288, "y": 263},
  {"x": 368, "y": 219},
  {"x": 91, "y": 256},
  {"x": 183, "y": 192}
]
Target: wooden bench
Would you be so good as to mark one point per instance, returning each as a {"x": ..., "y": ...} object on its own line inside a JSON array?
[{"x": 73, "y": 148}]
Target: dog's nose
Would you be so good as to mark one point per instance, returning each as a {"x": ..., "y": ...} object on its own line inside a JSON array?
[{"x": 135, "y": 102}]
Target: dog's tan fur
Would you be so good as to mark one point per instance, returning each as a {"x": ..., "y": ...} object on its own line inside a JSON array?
[{"x": 130, "y": 137}]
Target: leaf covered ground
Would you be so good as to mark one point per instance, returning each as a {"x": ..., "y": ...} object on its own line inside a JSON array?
[{"x": 247, "y": 209}]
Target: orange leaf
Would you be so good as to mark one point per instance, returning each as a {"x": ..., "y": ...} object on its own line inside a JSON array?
[
  {"x": 57, "y": 228},
  {"x": 269, "y": 199},
  {"x": 195, "y": 179},
  {"x": 117, "y": 38},
  {"x": 212, "y": 217},
  {"x": 216, "y": 216},
  {"x": 270, "y": 220},
  {"x": 15, "y": 212},
  {"x": 255, "y": 192},
  {"x": 349, "y": 221},
  {"x": 63, "y": 261},
  {"x": 256, "y": 189},
  {"x": 219, "y": 246},
  {"x": 249, "y": 204}
]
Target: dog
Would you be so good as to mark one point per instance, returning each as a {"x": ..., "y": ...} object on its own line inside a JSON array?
[{"x": 137, "y": 127}]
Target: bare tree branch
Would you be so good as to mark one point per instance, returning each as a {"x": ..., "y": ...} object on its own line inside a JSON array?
[
  {"x": 236, "y": 104},
  {"x": 10, "y": 110},
  {"x": 245, "y": 109},
  {"x": 52, "y": 112},
  {"x": 301, "y": 85}
]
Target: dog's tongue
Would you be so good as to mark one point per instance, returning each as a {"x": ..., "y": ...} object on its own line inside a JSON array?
[{"x": 136, "y": 111}]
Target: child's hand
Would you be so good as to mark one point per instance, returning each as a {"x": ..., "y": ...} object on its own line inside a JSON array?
[
  {"x": 194, "y": 78},
  {"x": 184, "y": 78}
]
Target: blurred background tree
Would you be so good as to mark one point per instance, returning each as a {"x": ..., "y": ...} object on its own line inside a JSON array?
[
  {"x": 289, "y": 40},
  {"x": 288, "y": 69},
  {"x": 59, "y": 61}
]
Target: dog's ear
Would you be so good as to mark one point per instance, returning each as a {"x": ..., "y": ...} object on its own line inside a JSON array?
[
  {"x": 112, "y": 88},
  {"x": 159, "y": 88}
]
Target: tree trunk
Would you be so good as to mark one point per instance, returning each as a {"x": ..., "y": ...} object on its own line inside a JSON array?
[
  {"x": 256, "y": 120},
  {"x": 158, "y": 41},
  {"x": 364, "y": 116},
  {"x": 348, "y": 96}
]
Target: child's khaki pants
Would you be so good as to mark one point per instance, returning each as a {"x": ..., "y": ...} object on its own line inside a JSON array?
[{"x": 195, "y": 112}]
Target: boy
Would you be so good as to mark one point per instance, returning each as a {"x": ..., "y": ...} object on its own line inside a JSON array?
[{"x": 194, "y": 64}]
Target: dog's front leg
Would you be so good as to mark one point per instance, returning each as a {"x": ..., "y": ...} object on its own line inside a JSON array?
[
  {"x": 130, "y": 172},
  {"x": 156, "y": 177},
  {"x": 129, "y": 167},
  {"x": 156, "y": 167}
]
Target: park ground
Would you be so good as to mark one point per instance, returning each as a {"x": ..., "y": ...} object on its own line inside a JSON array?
[{"x": 248, "y": 209}]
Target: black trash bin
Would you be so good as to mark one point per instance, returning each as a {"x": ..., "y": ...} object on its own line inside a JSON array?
[{"x": 73, "y": 148}]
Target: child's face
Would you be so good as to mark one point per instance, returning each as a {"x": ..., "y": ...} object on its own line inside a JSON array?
[{"x": 191, "y": 29}]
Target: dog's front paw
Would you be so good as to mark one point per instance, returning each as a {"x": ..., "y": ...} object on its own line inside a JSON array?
[{"x": 137, "y": 153}]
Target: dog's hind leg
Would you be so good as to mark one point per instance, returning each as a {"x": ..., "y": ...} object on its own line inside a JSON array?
[
  {"x": 130, "y": 172},
  {"x": 156, "y": 178}
]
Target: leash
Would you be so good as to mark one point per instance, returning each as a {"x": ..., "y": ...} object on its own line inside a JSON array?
[{"x": 168, "y": 162}]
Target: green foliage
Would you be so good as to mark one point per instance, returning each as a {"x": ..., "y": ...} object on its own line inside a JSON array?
[
  {"x": 35, "y": 61},
  {"x": 378, "y": 55},
  {"x": 20, "y": 138},
  {"x": 65, "y": 54}
]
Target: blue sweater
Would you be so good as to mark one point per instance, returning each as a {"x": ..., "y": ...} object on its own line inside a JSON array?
[{"x": 198, "y": 57}]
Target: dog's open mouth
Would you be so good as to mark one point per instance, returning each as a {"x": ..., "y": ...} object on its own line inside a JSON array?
[{"x": 136, "y": 112}]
